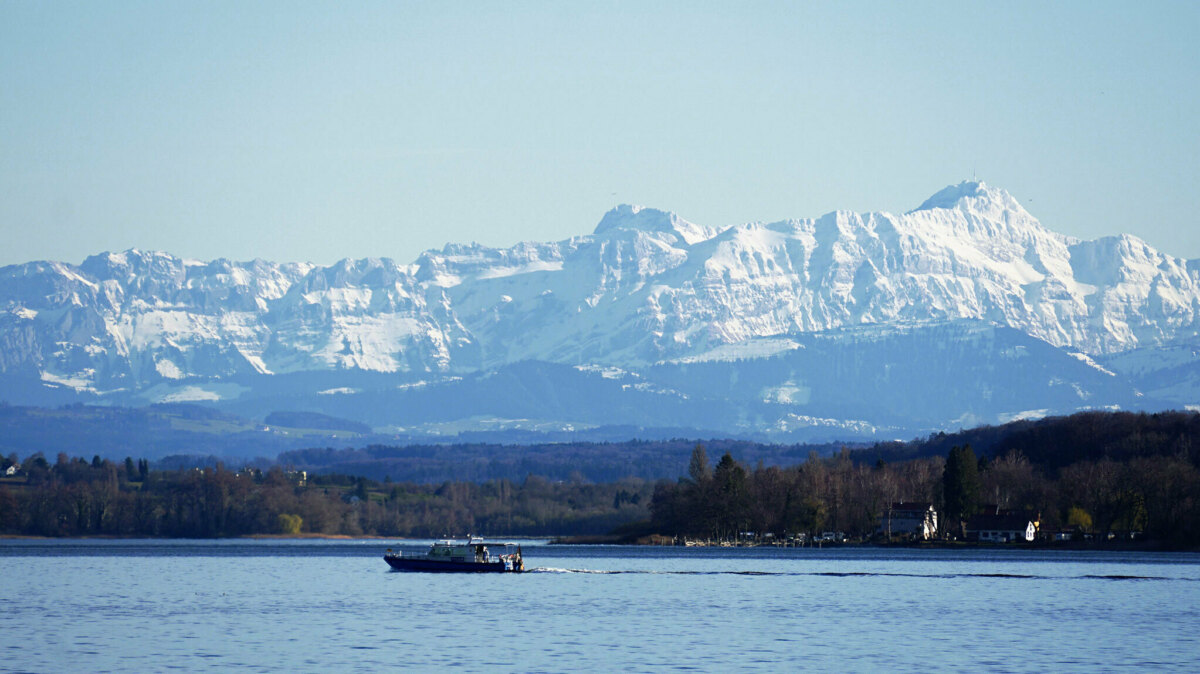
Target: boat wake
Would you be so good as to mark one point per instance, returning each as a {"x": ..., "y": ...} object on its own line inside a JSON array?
[
  {"x": 553, "y": 569},
  {"x": 851, "y": 574}
]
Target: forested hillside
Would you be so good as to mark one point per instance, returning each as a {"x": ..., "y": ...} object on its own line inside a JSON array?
[
  {"x": 1055, "y": 442},
  {"x": 1097, "y": 473},
  {"x": 479, "y": 462},
  {"x": 74, "y": 497}
]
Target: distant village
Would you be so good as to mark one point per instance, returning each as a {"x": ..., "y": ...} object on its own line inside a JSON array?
[
  {"x": 915, "y": 523},
  {"x": 962, "y": 499}
]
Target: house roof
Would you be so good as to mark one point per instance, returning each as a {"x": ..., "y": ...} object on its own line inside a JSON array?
[
  {"x": 914, "y": 507},
  {"x": 993, "y": 509},
  {"x": 1000, "y": 522}
]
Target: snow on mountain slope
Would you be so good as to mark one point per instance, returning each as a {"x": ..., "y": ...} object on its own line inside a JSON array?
[
  {"x": 128, "y": 319},
  {"x": 645, "y": 287},
  {"x": 648, "y": 286},
  {"x": 960, "y": 373},
  {"x": 368, "y": 314},
  {"x": 1170, "y": 372}
]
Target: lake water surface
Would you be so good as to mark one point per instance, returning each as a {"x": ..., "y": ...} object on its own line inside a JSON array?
[{"x": 94, "y": 606}]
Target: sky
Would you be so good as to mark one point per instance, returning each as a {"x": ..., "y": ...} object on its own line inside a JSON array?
[{"x": 304, "y": 131}]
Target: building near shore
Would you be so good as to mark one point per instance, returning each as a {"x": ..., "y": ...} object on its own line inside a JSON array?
[
  {"x": 918, "y": 519},
  {"x": 1002, "y": 526}
]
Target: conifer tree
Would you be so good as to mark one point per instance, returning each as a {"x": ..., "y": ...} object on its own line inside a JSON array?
[
  {"x": 698, "y": 468},
  {"x": 960, "y": 485}
]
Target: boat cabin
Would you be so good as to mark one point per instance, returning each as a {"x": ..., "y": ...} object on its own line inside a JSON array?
[{"x": 473, "y": 550}]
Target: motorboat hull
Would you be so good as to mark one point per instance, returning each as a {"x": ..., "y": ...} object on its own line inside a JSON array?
[{"x": 424, "y": 564}]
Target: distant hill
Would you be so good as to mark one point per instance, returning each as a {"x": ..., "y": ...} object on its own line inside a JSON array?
[
  {"x": 1055, "y": 442},
  {"x": 150, "y": 432},
  {"x": 315, "y": 421},
  {"x": 567, "y": 461},
  {"x": 180, "y": 435}
]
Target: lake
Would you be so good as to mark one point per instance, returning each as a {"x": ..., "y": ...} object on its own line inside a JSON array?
[{"x": 95, "y": 606}]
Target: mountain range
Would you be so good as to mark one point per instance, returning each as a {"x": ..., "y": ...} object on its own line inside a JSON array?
[{"x": 963, "y": 311}]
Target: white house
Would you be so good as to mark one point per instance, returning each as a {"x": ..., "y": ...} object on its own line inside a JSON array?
[
  {"x": 1004, "y": 528},
  {"x": 915, "y": 519}
]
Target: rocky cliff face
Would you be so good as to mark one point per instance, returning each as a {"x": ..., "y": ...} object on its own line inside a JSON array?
[{"x": 646, "y": 289}]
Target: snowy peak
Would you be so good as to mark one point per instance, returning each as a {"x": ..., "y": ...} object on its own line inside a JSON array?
[
  {"x": 949, "y": 196},
  {"x": 639, "y": 218},
  {"x": 804, "y": 322},
  {"x": 349, "y": 272},
  {"x": 646, "y": 287},
  {"x": 127, "y": 265},
  {"x": 627, "y": 217},
  {"x": 972, "y": 195}
]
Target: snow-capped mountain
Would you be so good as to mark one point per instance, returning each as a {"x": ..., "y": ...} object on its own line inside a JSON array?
[{"x": 647, "y": 294}]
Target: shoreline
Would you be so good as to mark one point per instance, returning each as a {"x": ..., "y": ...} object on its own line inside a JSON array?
[
  {"x": 656, "y": 541},
  {"x": 270, "y": 537},
  {"x": 332, "y": 537},
  {"x": 659, "y": 541}
]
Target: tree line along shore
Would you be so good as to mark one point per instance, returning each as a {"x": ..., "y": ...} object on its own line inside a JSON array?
[{"x": 1102, "y": 477}]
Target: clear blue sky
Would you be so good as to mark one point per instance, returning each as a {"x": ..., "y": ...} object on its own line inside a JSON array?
[{"x": 316, "y": 131}]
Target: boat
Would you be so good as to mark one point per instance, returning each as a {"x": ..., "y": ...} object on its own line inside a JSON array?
[{"x": 453, "y": 556}]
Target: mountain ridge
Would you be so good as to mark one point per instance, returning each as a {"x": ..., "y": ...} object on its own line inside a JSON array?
[{"x": 646, "y": 288}]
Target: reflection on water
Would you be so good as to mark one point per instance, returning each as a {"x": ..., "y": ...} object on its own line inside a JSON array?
[{"x": 310, "y": 605}]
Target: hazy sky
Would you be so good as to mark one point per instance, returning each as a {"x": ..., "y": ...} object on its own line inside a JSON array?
[{"x": 316, "y": 131}]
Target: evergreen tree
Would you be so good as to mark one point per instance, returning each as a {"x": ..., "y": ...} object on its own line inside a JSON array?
[
  {"x": 960, "y": 485},
  {"x": 698, "y": 468},
  {"x": 732, "y": 499}
]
